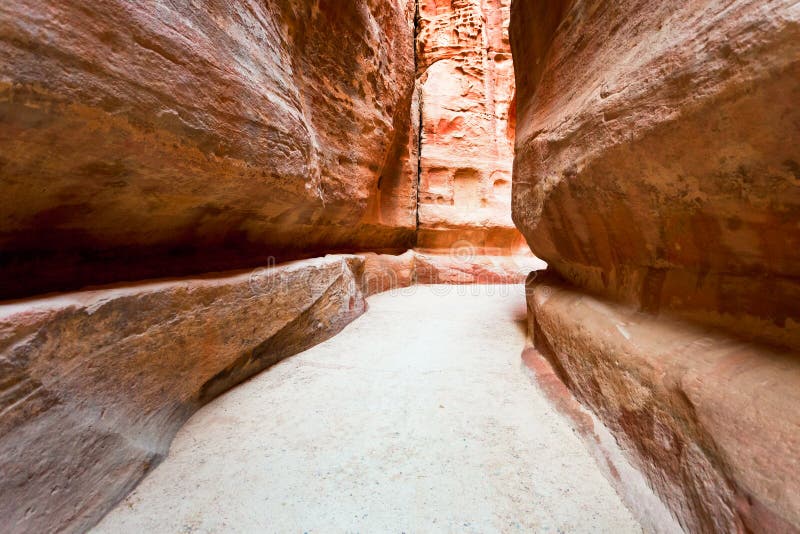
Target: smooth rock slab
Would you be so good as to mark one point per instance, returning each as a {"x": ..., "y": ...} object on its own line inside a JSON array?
[
  {"x": 94, "y": 385},
  {"x": 418, "y": 417}
]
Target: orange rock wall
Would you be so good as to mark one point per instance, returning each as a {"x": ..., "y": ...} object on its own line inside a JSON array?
[{"x": 466, "y": 82}]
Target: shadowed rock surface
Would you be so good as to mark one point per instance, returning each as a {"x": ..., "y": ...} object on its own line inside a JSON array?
[{"x": 156, "y": 139}]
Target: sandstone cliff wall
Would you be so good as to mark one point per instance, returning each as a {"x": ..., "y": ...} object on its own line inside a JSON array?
[
  {"x": 657, "y": 154},
  {"x": 656, "y": 171}
]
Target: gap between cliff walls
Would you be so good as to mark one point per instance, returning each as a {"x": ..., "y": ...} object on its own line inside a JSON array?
[{"x": 417, "y": 101}]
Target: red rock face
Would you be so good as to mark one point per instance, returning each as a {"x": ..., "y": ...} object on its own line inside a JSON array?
[
  {"x": 466, "y": 83},
  {"x": 144, "y": 139},
  {"x": 656, "y": 170}
]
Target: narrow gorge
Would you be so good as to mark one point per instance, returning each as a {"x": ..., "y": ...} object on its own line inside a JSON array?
[{"x": 400, "y": 266}]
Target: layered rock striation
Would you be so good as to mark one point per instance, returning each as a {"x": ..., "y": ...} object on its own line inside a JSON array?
[{"x": 656, "y": 173}]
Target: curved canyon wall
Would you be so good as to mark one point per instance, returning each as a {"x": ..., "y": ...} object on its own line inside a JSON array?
[
  {"x": 657, "y": 155},
  {"x": 656, "y": 171},
  {"x": 466, "y": 82},
  {"x": 155, "y": 139}
]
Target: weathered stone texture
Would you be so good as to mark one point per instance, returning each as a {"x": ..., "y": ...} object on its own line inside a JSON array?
[
  {"x": 466, "y": 84},
  {"x": 142, "y": 139},
  {"x": 95, "y": 384}
]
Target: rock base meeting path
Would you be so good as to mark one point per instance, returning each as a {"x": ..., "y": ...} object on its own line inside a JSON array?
[{"x": 418, "y": 417}]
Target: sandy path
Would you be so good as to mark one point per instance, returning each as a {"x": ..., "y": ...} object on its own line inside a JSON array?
[{"x": 419, "y": 417}]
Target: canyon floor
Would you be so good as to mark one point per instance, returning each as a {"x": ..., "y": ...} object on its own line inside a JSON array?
[{"x": 418, "y": 417}]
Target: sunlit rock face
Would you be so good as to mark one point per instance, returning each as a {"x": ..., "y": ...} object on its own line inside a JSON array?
[
  {"x": 142, "y": 139},
  {"x": 658, "y": 152},
  {"x": 466, "y": 84},
  {"x": 656, "y": 171}
]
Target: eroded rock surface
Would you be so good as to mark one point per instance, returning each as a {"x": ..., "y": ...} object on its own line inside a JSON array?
[
  {"x": 95, "y": 384},
  {"x": 466, "y": 83},
  {"x": 149, "y": 139},
  {"x": 657, "y": 154}
]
